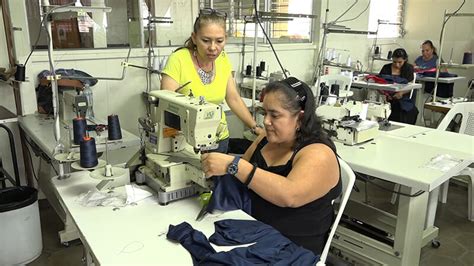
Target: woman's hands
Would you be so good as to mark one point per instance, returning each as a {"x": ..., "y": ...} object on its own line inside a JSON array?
[
  {"x": 398, "y": 95},
  {"x": 215, "y": 163}
]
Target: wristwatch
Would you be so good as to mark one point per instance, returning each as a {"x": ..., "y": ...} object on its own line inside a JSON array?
[{"x": 233, "y": 167}]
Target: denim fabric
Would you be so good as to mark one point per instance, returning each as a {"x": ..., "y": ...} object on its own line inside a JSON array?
[
  {"x": 271, "y": 248},
  {"x": 229, "y": 194}
]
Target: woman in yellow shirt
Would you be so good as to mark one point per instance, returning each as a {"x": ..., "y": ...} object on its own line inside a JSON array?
[{"x": 203, "y": 62}]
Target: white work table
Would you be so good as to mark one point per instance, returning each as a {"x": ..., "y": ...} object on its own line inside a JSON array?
[
  {"x": 385, "y": 87},
  {"x": 134, "y": 234},
  {"x": 39, "y": 131},
  {"x": 401, "y": 156},
  {"x": 440, "y": 80}
]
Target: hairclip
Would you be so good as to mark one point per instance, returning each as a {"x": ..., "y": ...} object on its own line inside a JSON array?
[
  {"x": 297, "y": 85},
  {"x": 212, "y": 11}
]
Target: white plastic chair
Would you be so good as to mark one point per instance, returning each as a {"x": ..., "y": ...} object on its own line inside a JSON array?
[
  {"x": 343, "y": 81},
  {"x": 466, "y": 110},
  {"x": 348, "y": 179}
]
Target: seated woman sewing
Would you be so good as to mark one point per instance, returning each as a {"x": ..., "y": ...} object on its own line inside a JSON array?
[
  {"x": 402, "y": 105},
  {"x": 292, "y": 172}
]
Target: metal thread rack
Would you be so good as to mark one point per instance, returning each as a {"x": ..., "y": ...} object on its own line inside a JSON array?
[{"x": 446, "y": 17}]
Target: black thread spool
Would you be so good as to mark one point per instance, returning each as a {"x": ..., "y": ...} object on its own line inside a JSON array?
[
  {"x": 262, "y": 65},
  {"x": 467, "y": 58},
  {"x": 248, "y": 70},
  {"x": 377, "y": 50},
  {"x": 79, "y": 126},
  {"x": 88, "y": 152},
  {"x": 20, "y": 72},
  {"x": 113, "y": 125},
  {"x": 259, "y": 71},
  {"x": 335, "y": 89}
]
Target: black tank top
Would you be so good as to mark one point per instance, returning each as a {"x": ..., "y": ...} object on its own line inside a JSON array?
[{"x": 307, "y": 225}]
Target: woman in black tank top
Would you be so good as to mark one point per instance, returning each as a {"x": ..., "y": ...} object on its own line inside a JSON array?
[{"x": 292, "y": 172}]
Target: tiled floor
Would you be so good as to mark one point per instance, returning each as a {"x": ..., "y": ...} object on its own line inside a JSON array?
[{"x": 456, "y": 233}]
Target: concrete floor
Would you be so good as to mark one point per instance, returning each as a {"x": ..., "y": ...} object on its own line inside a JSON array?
[{"x": 456, "y": 233}]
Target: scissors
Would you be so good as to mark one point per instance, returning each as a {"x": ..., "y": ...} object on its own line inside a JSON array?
[
  {"x": 204, "y": 197},
  {"x": 202, "y": 213}
]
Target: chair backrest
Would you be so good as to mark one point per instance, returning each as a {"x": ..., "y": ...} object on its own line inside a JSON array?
[
  {"x": 348, "y": 179},
  {"x": 343, "y": 81},
  {"x": 466, "y": 110}
]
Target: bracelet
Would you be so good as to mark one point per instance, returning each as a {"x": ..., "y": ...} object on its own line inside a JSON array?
[{"x": 250, "y": 176}]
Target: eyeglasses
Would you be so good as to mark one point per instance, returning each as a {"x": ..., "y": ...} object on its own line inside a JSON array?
[{"x": 212, "y": 11}]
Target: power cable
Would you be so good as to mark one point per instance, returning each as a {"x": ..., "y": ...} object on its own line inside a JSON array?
[
  {"x": 40, "y": 28},
  {"x": 416, "y": 194},
  {"x": 268, "y": 39},
  {"x": 356, "y": 17},
  {"x": 345, "y": 12}
]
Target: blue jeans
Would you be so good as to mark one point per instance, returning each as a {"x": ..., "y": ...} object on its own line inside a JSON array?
[{"x": 223, "y": 146}]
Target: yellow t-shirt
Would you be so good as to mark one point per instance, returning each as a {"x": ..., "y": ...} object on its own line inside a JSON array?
[{"x": 180, "y": 67}]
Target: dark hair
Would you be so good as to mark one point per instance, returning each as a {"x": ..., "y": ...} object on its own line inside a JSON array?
[
  {"x": 206, "y": 16},
  {"x": 430, "y": 43},
  {"x": 400, "y": 53},
  {"x": 295, "y": 96}
]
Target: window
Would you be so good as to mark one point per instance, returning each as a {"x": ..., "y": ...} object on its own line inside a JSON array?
[
  {"x": 119, "y": 28},
  {"x": 278, "y": 28},
  {"x": 386, "y": 18}
]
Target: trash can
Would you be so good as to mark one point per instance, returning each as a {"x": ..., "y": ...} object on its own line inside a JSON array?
[{"x": 20, "y": 228}]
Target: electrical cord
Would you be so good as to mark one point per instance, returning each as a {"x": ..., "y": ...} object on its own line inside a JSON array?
[
  {"x": 356, "y": 17},
  {"x": 268, "y": 39},
  {"x": 39, "y": 153},
  {"x": 416, "y": 194},
  {"x": 345, "y": 12},
  {"x": 41, "y": 26}
]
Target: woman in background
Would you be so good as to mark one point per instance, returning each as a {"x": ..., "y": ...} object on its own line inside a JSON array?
[
  {"x": 203, "y": 63},
  {"x": 428, "y": 58},
  {"x": 403, "y": 107}
]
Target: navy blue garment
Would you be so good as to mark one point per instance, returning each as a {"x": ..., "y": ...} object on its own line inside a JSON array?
[
  {"x": 229, "y": 194},
  {"x": 394, "y": 79},
  {"x": 65, "y": 73},
  {"x": 271, "y": 248},
  {"x": 234, "y": 232}
]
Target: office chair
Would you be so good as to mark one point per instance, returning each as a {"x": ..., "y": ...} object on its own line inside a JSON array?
[
  {"x": 466, "y": 110},
  {"x": 348, "y": 179}
]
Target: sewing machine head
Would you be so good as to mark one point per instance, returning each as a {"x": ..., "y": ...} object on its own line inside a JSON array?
[
  {"x": 346, "y": 122},
  {"x": 179, "y": 116}
]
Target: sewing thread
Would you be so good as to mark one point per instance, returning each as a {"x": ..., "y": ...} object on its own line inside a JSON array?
[
  {"x": 79, "y": 125},
  {"x": 114, "y": 127},
  {"x": 88, "y": 152}
]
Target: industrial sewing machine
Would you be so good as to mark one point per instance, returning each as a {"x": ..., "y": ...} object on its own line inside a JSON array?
[
  {"x": 345, "y": 121},
  {"x": 181, "y": 128}
]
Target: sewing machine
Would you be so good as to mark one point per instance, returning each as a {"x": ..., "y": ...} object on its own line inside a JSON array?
[
  {"x": 181, "y": 128},
  {"x": 72, "y": 105},
  {"x": 344, "y": 122}
]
